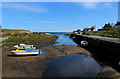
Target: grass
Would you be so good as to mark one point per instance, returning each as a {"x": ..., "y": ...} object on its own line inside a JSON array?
[
  {"x": 9, "y": 32},
  {"x": 107, "y": 33},
  {"x": 19, "y": 37},
  {"x": 38, "y": 40},
  {"x": 4, "y": 35},
  {"x": 12, "y": 30}
]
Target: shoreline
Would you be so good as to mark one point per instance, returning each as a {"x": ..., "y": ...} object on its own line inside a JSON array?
[
  {"x": 109, "y": 73},
  {"x": 25, "y": 66},
  {"x": 33, "y": 66},
  {"x": 62, "y": 50}
]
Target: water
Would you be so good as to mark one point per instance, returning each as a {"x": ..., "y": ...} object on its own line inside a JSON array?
[
  {"x": 42, "y": 52},
  {"x": 76, "y": 65},
  {"x": 63, "y": 40}
]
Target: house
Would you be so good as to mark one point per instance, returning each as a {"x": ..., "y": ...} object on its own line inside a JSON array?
[
  {"x": 107, "y": 26},
  {"x": 117, "y": 26}
]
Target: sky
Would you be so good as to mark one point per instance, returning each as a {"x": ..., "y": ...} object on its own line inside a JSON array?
[{"x": 57, "y": 16}]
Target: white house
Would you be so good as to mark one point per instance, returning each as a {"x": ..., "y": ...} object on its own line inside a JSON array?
[{"x": 117, "y": 26}]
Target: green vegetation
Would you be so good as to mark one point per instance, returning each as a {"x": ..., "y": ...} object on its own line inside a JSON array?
[
  {"x": 4, "y": 35},
  {"x": 39, "y": 40},
  {"x": 27, "y": 37},
  {"x": 12, "y": 30},
  {"x": 107, "y": 33}
]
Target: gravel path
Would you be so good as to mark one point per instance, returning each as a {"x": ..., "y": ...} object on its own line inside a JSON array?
[{"x": 116, "y": 40}]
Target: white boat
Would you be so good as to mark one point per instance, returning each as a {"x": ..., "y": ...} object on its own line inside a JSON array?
[
  {"x": 25, "y": 53},
  {"x": 23, "y": 50},
  {"x": 24, "y": 45},
  {"x": 84, "y": 43}
]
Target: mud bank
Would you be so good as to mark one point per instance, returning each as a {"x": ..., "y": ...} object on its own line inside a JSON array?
[
  {"x": 109, "y": 73},
  {"x": 33, "y": 66},
  {"x": 24, "y": 66},
  {"x": 62, "y": 50}
]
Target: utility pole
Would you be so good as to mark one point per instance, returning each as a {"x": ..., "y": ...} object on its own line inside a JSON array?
[{"x": 119, "y": 11}]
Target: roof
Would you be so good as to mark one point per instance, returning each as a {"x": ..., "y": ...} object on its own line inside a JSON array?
[
  {"x": 106, "y": 26},
  {"x": 118, "y": 23}
]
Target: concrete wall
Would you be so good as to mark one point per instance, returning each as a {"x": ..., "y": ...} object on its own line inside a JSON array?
[
  {"x": 102, "y": 43},
  {"x": 104, "y": 51}
]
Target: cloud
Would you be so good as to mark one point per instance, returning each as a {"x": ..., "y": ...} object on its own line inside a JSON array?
[
  {"x": 96, "y": 5},
  {"x": 24, "y": 7},
  {"x": 89, "y": 5},
  {"x": 108, "y": 5}
]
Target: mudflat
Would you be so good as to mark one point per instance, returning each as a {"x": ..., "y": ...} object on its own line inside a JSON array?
[
  {"x": 33, "y": 66},
  {"x": 24, "y": 66},
  {"x": 109, "y": 73}
]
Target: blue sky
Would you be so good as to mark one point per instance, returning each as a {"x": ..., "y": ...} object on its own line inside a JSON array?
[{"x": 57, "y": 16}]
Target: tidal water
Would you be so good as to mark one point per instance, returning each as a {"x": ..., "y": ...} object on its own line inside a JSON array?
[
  {"x": 75, "y": 65},
  {"x": 63, "y": 40}
]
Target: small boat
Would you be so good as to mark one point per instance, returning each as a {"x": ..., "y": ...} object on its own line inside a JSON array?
[
  {"x": 84, "y": 43},
  {"x": 73, "y": 37},
  {"x": 24, "y": 45},
  {"x": 25, "y": 51}
]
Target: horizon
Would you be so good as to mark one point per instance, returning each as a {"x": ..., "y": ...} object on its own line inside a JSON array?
[{"x": 58, "y": 16}]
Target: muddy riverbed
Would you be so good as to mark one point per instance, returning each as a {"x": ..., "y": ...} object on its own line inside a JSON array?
[{"x": 59, "y": 57}]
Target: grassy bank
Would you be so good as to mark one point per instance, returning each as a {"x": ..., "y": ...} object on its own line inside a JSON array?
[
  {"x": 107, "y": 33},
  {"x": 25, "y": 36},
  {"x": 39, "y": 40},
  {"x": 24, "y": 66},
  {"x": 12, "y": 32}
]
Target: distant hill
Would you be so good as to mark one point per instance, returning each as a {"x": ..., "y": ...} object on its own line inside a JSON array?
[{"x": 14, "y": 31}]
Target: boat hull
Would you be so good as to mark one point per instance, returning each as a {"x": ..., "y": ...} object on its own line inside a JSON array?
[
  {"x": 25, "y": 53},
  {"x": 84, "y": 45}
]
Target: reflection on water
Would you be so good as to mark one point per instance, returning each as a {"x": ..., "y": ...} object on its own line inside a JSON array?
[
  {"x": 64, "y": 40},
  {"x": 42, "y": 52},
  {"x": 76, "y": 65}
]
